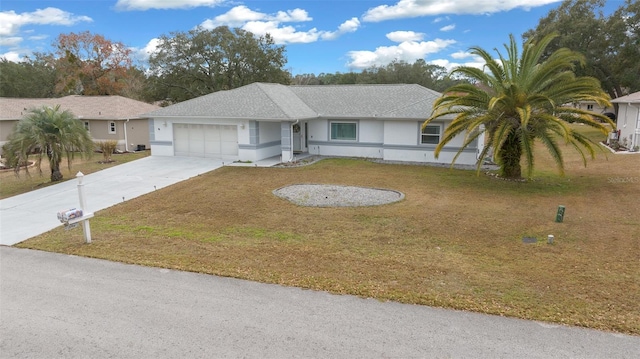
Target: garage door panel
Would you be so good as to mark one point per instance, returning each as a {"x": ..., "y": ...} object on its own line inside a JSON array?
[
  {"x": 196, "y": 140},
  {"x": 181, "y": 139}
]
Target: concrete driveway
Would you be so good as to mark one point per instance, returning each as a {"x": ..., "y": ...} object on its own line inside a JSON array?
[
  {"x": 60, "y": 306},
  {"x": 30, "y": 214}
]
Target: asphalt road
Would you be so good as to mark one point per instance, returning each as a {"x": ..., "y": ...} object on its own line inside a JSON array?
[{"x": 60, "y": 306}]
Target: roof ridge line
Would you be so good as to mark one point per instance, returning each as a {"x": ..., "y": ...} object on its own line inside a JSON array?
[{"x": 278, "y": 104}]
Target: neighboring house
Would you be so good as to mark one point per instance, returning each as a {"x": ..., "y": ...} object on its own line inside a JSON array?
[
  {"x": 106, "y": 117},
  {"x": 593, "y": 107},
  {"x": 628, "y": 121},
  {"x": 263, "y": 120}
]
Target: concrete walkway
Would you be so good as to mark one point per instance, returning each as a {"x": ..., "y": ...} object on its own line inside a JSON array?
[
  {"x": 60, "y": 306},
  {"x": 30, "y": 214}
]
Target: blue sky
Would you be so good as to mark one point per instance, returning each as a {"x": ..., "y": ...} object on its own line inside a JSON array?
[{"x": 321, "y": 36}]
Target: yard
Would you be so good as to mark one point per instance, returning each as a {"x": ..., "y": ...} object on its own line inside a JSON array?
[{"x": 455, "y": 241}]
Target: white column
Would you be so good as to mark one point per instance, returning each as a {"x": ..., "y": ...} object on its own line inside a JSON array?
[{"x": 83, "y": 206}]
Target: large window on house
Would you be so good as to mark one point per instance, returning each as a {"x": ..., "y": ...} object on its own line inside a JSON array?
[
  {"x": 344, "y": 131},
  {"x": 112, "y": 127},
  {"x": 430, "y": 135}
]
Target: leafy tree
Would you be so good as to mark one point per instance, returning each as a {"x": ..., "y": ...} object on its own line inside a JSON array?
[
  {"x": 47, "y": 132},
  {"x": 32, "y": 78},
  {"x": 611, "y": 44},
  {"x": 305, "y": 79},
  {"x": 90, "y": 64},
  {"x": 420, "y": 72},
  {"x": 520, "y": 99},
  {"x": 397, "y": 72},
  {"x": 199, "y": 62}
]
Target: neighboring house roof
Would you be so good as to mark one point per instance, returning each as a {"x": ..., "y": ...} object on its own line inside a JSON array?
[
  {"x": 280, "y": 102},
  {"x": 86, "y": 107},
  {"x": 632, "y": 98}
]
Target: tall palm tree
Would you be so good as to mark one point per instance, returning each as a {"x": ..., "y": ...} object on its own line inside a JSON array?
[
  {"x": 519, "y": 99},
  {"x": 50, "y": 132}
]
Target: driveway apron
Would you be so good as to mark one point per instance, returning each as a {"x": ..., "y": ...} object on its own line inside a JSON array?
[{"x": 30, "y": 214}]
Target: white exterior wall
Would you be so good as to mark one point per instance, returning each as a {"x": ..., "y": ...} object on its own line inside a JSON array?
[
  {"x": 161, "y": 137},
  {"x": 402, "y": 143},
  {"x": 369, "y": 144},
  {"x": 268, "y": 133},
  {"x": 392, "y": 140},
  {"x": 161, "y": 132},
  {"x": 594, "y": 107},
  {"x": 629, "y": 123}
]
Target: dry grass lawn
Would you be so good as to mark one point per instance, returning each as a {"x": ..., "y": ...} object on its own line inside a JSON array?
[{"x": 455, "y": 241}]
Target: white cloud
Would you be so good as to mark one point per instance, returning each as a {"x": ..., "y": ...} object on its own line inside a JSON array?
[
  {"x": 10, "y": 41},
  {"x": 463, "y": 59},
  {"x": 38, "y": 37},
  {"x": 451, "y": 65},
  {"x": 295, "y": 15},
  {"x": 282, "y": 34},
  {"x": 11, "y": 22},
  {"x": 144, "y": 53},
  {"x": 401, "y": 36},
  {"x": 462, "y": 55},
  {"x": 236, "y": 17},
  {"x": 130, "y": 5},
  {"x": 350, "y": 25},
  {"x": 448, "y": 27},
  {"x": 274, "y": 24},
  {"x": 417, "y": 8},
  {"x": 408, "y": 51},
  {"x": 12, "y": 56}
]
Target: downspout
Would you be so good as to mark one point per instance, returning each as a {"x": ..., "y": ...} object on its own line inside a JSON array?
[
  {"x": 636, "y": 131},
  {"x": 126, "y": 140},
  {"x": 292, "y": 140}
]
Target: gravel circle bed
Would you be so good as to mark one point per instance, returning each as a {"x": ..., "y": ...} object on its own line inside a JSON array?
[{"x": 319, "y": 195}]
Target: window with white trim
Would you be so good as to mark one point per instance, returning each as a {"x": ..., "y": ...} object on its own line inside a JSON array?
[
  {"x": 112, "y": 127},
  {"x": 430, "y": 135},
  {"x": 344, "y": 131}
]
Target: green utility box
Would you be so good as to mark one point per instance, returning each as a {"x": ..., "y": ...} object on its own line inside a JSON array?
[{"x": 560, "y": 214}]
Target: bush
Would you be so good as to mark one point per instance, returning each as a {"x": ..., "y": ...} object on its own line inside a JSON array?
[{"x": 107, "y": 148}]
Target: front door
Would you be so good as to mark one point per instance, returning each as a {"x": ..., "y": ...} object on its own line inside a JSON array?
[{"x": 299, "y": 136}]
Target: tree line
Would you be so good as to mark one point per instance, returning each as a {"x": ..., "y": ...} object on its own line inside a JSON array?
[{"x": 194, "y": 63}]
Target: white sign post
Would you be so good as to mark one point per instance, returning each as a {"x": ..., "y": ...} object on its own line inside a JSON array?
[{"x": 86, "y": 228}]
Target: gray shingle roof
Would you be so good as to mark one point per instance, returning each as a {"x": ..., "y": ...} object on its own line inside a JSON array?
[
  {"x": 632, "y": 98},
  {"x": 255, "y": 101},
  {"x": 280, "y": 102},
  {"x": 87, "y": 107}
]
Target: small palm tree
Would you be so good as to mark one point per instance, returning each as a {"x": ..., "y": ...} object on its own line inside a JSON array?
[
  {"x": 520, "y": 99},
  {"x": 50, "y": 132}
]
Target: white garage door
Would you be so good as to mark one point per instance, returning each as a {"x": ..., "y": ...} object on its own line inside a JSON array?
[{"x": 205, "y": 140}]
